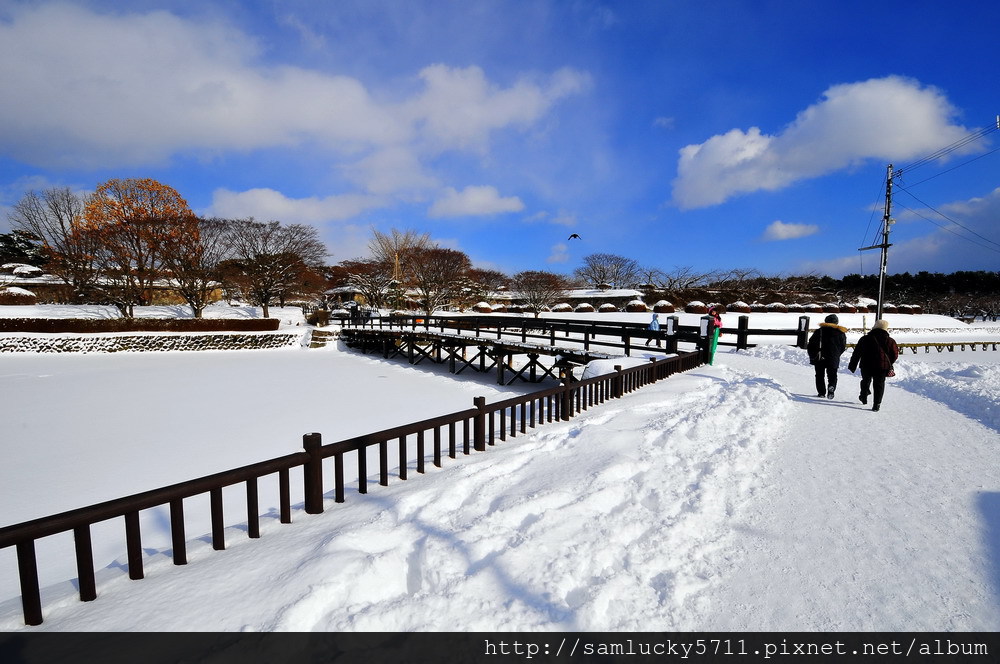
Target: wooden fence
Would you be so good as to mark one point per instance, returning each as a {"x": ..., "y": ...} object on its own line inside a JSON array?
[
  {"x": 476, "y": 428},
  {"x": 950, "y": 346},
  {"x": 941, "y": 346}
]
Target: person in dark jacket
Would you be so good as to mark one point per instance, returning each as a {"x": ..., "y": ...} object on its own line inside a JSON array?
[
  {"x": 875, "y": 353},
  {"x": 825, "y": 347}
]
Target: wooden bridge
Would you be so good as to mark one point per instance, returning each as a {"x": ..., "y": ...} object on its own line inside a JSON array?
[
  {"x": 514, "y": 347},
  {"x": 462, "y": 351}
]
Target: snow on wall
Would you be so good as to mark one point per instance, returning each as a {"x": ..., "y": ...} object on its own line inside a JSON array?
[{"x": 143, "y": 343}]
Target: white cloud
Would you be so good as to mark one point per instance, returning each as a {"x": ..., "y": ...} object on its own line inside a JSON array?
[
  {"x": 890, "y": 119},
  {"x": 559, "y": 254},
  {"x": 460, "y": 107},
  {"x": 268, "y": 204},
  {"x": 474, "y": 201},
  {"x": 779, "y": 230},
  {"x": 393, "y": 170},
  {"x": 564, "y": 218},
  {"x": 145, "y": 86},
  {"x": 560, "y": 218},
  {"x": 148, "y": 86}
]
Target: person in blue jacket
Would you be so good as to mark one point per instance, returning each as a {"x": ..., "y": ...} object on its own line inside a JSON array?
[{"x": 654, "y": 326}]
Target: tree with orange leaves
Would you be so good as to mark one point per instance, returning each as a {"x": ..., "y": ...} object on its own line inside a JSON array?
[{"x": 134, "y": 222}]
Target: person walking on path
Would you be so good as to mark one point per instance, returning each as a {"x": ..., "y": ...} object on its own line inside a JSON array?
[
  {"x": 875, "y": 353},
  {"x": 654, "y": 326},
  {"x": 825, "y": 347},
  {"x": 714, "y": 330}
]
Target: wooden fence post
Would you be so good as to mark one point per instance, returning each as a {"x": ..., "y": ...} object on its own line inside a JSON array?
[
  {"x": 803, "y": 336},
  {"x": 177, "y": 539},
  {"x": 133, "y": 546},
  {"x": 704, "y": 342},
  {"x": 27, "y": 569},
  {"x": 85, "y": 563},
  {"x": 338, "y": 475},
  {"x": 313, "y": 473},
  {"x": 742, "y": 333},
  {"x": 619, "y": 383},
  {"x": 479, "y": 425},
  {"x": 563, "y": 403},
  {"x": 671, "y": 323}
]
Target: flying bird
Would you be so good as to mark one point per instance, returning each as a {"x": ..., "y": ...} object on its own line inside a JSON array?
[{"x": 573, "y": 236}]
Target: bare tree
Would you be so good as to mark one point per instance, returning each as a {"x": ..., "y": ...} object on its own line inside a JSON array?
[
  {"x": 437, "y": 274},
  {"x": 270, "y": 260},
  {"x": 615, "y": 271},
  {"x": 371, "y": 278},
  {"x": 392, "y": 248},
  {"x": 539, "y": 289},
  {"x": 651, "y": 277},
  {"x": 192, "y": 262},
  {"x": 55, "y": 216},
  {"x": 685, "y": 277}
]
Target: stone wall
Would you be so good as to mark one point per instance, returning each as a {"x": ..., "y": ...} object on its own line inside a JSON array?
[{"x": 144, "y": 343}]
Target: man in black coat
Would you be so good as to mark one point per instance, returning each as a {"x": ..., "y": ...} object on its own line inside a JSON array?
[
  {"x": 875, "y": 353},
  {"x": 825, "y": 347}
]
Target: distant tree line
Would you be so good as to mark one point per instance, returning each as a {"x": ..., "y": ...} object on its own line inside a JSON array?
[
  {"x": 130, "y": 238},
  {"x": 958, "y": 294}
]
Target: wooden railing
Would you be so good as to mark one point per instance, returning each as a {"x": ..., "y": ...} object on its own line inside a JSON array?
[
  {"x": 608, "y": 334},
  {"x": 950, "y": 346},
  {"x": 475, "y": 428}
]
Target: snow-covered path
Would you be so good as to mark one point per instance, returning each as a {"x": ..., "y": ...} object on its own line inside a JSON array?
[
  {"x": 868, "y": 521},
  {"x": 726, "y": 498}
]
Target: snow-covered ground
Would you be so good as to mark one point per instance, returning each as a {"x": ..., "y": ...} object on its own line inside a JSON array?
[{"x": 727, "y": 498}]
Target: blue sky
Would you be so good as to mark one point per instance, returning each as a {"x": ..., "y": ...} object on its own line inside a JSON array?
[{"x": 709, "y": 135}]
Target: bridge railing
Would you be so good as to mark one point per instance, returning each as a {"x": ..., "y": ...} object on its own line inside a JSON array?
[
  {"x": 619, "y": 335},
  {"x": 950, "y": 346},
  {"x": 416, "y": 444}
]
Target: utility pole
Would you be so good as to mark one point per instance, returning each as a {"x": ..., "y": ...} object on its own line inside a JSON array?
[{"x": 887, "y": 221}]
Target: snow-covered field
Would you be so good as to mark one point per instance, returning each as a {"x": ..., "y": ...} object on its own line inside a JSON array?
[{"x": 727, "y": 498}]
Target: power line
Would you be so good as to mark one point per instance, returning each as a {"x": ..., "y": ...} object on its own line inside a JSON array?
[
  {"x": 943, "y": 215},
  {"x": 948, "y": 149},
  {"x": 964, "y": 163},
  {"x": 871, "y": 217},
  {"x": 950, "y": 230},
  {"x": 887, "y": 221}
]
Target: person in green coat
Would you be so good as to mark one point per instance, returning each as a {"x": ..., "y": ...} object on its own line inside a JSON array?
[{"x": 714, "y": 330}]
